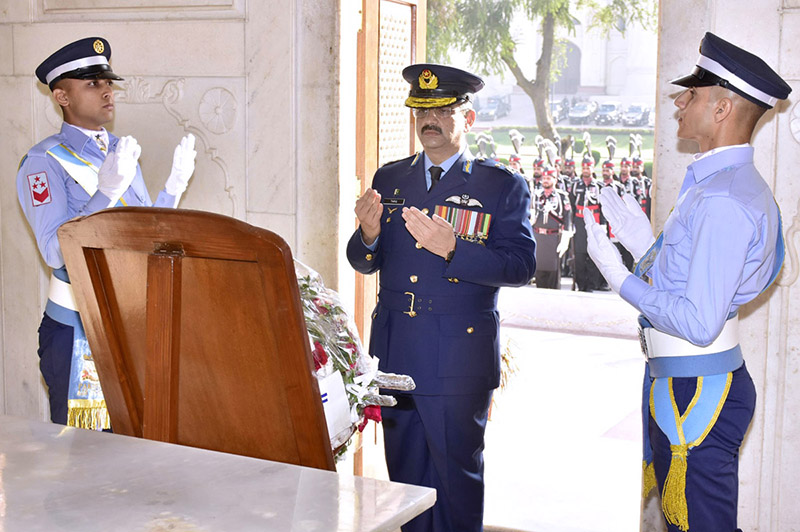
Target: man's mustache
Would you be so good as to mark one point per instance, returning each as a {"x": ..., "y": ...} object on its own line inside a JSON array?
[{"x": 431, "y": 127}]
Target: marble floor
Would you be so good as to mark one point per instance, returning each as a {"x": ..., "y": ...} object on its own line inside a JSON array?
[{"x": 563, "y": 447}]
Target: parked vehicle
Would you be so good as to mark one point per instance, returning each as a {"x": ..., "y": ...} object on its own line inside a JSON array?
[
  {"x": 583, "y": 112},
  {"x": 609, "y": 113},
  {"x": 558, "y": 111},
  {"x": 636, "y": 115},
  {"x": 494, "y": 107}
]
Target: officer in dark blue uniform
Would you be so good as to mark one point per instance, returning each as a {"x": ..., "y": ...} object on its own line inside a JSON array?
[{"x": 445, "y": 231}]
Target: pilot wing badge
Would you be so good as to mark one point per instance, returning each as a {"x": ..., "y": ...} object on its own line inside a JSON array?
[{"x": 465, "y": 201}]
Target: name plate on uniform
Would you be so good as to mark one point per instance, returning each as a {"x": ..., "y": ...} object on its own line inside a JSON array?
[
  {"x": 393, "y": 201},
  {"x": 468, "y": 225}
]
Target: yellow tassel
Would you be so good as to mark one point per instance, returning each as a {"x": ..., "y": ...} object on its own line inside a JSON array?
[
  {"x": 673, "y": 499},
  {"x": 648, "y": 478},
  {"x": 85, "y": 414}
]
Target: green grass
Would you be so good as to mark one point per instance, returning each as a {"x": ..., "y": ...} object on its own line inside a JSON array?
[{"x": 529, "y": 151}]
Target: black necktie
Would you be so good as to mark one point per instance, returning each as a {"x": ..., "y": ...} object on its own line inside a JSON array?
[{"x": 436, "y": 173}]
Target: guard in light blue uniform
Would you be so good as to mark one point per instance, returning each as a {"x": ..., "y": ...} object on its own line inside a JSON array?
[
  {"x": 721, "y": 246},
  {"x": 445, "y": 231},
  {"x": 81, "y": 170}
]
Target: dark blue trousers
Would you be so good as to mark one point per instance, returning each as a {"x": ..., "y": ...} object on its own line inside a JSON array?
[
  {"x": 437, "y": 441},
  {"x": 712, "y": 477},
  {"x": 55, "y": 360}
]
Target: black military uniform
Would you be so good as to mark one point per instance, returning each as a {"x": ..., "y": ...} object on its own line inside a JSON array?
[
  {"x": 584, "y": 194},
  {"x": 551, "y": 216},
  {"x": 646, "y": 200}
]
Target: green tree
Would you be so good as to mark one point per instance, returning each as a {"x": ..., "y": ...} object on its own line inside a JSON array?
[{"x": 482, "y": 28}]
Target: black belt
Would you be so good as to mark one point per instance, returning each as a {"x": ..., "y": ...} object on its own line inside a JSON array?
[{"x": 413, "y": 304}]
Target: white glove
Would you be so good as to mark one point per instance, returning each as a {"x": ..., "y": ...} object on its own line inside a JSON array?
[
  {"x": 182, "y": 167},
  {"x": 605, "y": 254},
  {"x": 628, "y": 222},
  {"x": 563, "y": 244},
  {"x": 118, "y": 170}
]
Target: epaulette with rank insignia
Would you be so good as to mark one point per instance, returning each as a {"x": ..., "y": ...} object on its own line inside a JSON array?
[
  {"x": 494, "y": 164},
  {"x": 414, "y": 158}
]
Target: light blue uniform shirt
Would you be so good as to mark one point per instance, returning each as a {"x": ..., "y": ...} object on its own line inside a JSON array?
[
  {"x": 719, "y": 249},
  {"x": 64, "y": 198}
]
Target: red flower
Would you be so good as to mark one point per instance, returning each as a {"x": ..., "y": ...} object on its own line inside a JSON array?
[
  {"x": 372, "y": 412},
  {"x": 320, "y": 356},
  {"x": 321, "y": 308}
]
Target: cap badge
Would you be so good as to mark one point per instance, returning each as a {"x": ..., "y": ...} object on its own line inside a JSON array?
[
  {"x": 428, "y": 80},
  {"x": 98, "y": 46}
]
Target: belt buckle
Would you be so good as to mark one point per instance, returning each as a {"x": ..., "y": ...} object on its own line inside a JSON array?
[
  {"x": 643, "y": 343},
  {"x": 411, "y": 312}
]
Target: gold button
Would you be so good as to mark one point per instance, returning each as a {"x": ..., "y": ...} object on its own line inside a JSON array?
[
  {"x": 412, "y": 313},
  {"x": 425, "y": 210},
  {"x": 413, "y": 278},
  {"x": 388, "y": 219},
  {"x": 418, "y": 245},
  {"x": 455, "y": 280},
  {"x": 369, "y": 256},
  {"x": 470, "y": 330}
]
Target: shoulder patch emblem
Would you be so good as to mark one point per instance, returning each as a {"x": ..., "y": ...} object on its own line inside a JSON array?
[{"x": 40, "y": 189}]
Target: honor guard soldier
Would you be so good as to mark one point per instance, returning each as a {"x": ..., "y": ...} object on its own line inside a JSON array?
[
  {"x": 568, "y": 176},
  {"x": 78, "y": 171},
  {"x": 637, "y": 171},
  {"x": 630, "y": 184},
  {"x": 445, "y": 231},
  {"x": 515, "y": 163},
  {"x": 552, "y": 229},
  {"x": 538, "y": 167},
  {"x": 721, "y": 246},
  {"x": 585, "y": 198}
]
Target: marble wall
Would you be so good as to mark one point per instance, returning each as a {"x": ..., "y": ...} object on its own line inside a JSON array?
[
  {"x": 770, "y": 463},
  {"x": 257, "y": 84}
]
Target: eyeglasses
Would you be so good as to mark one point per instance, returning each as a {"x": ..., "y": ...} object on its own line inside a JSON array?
[{"x": 438, "y": 112}]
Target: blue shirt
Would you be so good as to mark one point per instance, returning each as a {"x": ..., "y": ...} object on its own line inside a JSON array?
[
  {"x": 719, "y": 249},
  {"x": 60, "y": 197}
]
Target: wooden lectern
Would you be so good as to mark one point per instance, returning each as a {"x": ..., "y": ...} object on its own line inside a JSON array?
[{"x": 197, "y": 332}]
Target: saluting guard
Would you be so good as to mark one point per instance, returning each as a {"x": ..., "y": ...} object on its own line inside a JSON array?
[
  {"x": 80, "y": 170},
  {"x": 721, "y": 246}
]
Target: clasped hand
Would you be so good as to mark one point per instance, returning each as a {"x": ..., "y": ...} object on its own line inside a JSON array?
[{"x": 434, "y": 234}]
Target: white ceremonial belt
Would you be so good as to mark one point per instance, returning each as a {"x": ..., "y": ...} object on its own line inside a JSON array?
[
  {"x": 61, "y": 294},
  {"x": 657, "y": 344}
]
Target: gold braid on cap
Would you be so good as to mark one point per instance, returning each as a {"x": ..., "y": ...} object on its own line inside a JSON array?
[{"x": 413, "y": 101}]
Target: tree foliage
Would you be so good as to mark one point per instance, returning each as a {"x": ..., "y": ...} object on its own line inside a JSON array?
[{"x": 483, "y": 29}]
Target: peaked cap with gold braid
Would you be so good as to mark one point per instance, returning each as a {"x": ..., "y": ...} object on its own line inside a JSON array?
[{"x": 439, "y": 85}]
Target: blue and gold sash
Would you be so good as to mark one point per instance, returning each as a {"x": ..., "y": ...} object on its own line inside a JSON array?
[{"x": 85, "y": 402}]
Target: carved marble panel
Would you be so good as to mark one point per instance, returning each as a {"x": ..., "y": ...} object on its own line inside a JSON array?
[{"x": 160, "y": 111}]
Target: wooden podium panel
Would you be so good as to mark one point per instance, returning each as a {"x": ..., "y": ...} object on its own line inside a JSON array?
[{"x": 197, "y": 332}]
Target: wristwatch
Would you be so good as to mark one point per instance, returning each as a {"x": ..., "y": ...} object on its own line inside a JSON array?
[{"x": 450, "y": 254}]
